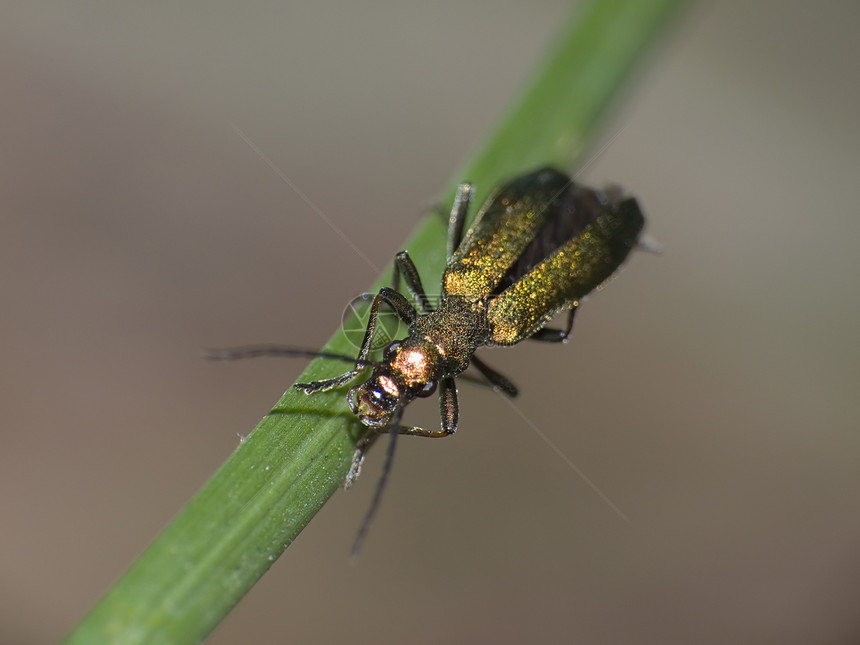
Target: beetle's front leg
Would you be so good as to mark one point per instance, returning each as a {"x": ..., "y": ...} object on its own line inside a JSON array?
[
  {"x": 361, "y": 448},
  {"x": 404, "y": 311},
  {"x": 450, "y": 414}
]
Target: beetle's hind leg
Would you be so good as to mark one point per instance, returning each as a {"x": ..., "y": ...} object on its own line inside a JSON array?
[
  {"x": 550, "y": 335},
  {"x": 495, "y": 379}
]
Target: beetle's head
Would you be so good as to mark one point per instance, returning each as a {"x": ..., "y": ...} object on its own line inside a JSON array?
[
  {"x": 403, "y": 374},
  {"x": 376, "y": 401}
]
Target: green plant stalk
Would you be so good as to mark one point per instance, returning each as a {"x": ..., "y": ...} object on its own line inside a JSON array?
[{"x": 232, "y": 531}]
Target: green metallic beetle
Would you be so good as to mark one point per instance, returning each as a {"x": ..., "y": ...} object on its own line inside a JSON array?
[{"x": 537, "y": 246}]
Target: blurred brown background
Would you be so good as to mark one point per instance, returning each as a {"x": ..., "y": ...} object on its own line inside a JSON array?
[{"x": 711, "y": 393}]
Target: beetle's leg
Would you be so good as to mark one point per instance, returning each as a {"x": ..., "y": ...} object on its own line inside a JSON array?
[
  {"x": 556, "y": 335},
  {"x": 361, "y": 448},
  {"x": 330, "y": 383},
  {"x": 495, "y": 379},
  {"x": 404, "y": 311},
  {"x": 457, "y": 219},
  {"x": 373, "y": 434},
  {"x": 448, "y": 407},
  {"x": 417, "y": 431},
  {"x": 450, "y": 413},
  {"x": 403, "y": 264},
  {"x": 401, "y": 306},
  {"x": 354, "y": 469},
  {"x": 398, "y": 303}
]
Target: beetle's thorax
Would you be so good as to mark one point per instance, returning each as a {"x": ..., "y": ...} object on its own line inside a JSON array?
[{"x": 453, "y": 332}]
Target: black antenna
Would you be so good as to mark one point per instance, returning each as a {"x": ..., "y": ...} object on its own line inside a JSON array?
[
  {"x": 380, "y": 487},
  {"x": 254, "y": 351}
]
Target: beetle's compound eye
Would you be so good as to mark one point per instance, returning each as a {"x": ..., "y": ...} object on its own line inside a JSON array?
[
  {"x": 390, "y": 350},
  {"x": 428, "y": 389},
  {"x": 375, "y": 401}
]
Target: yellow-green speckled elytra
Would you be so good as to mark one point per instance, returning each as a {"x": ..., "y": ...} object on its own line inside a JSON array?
[{"x": 538, "y": 245}]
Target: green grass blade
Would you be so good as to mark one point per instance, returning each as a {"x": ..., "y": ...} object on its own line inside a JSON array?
[{"x": 220, "y": 544}]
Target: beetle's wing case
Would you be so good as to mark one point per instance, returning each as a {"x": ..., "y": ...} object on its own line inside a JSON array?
[
  {"x": 506, "y": 224},
  {"x": 586, "y": 238}
]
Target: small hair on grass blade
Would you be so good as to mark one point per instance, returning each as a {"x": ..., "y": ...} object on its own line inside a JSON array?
[{"x": 538, "y": 245}]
